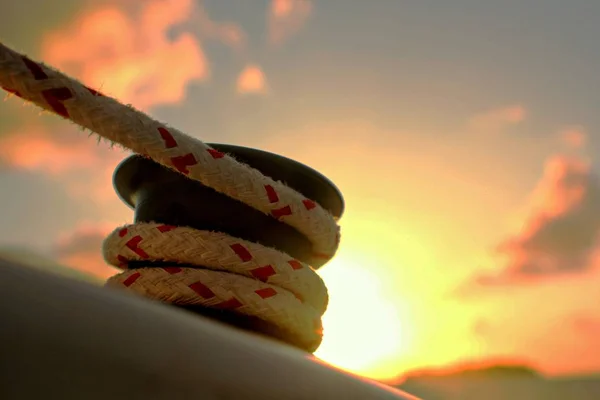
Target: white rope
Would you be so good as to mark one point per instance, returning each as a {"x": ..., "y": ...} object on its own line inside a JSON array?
[{"x": 240, "y": 275}]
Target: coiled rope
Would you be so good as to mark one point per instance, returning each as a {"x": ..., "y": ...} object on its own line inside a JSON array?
[{"x": 232, "y": 274}]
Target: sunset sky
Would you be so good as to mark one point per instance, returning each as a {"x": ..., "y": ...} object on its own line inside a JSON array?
[{"x": 462, "y": 134}]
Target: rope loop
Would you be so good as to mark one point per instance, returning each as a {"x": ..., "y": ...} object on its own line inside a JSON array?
[{"x": 211, "y": 269}]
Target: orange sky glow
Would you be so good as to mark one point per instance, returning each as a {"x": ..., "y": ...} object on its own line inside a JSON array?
[{"x": 447, "y": 240}]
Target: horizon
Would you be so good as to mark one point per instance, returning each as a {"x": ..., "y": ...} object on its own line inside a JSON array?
[{"x": 462, "y": 136}]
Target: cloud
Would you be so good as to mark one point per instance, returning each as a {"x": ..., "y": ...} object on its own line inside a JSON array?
[
  {"x": 34, "y": 148},
  {"x": 585, "y": 324},
  {"x": 574, "y": 137},
  {"x": 24, "y": 22},
  {"x": 139, "y": 52},
  {"x": 82, "y": 249},
  {"x": 82, "y": 165},
  {"x": 251, "y": 80},
  {"x": 228, "y": 33},
  {"x": 497, "y": 119},
  {"x": 561, "y": 232},
  {"x": 287, "y": 17},
  {"x": 129, "y": 54}
]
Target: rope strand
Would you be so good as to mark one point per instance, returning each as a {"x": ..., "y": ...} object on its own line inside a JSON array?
[
  {"x": 229, "y": 273},
  {"x": 237, "y": 275}
]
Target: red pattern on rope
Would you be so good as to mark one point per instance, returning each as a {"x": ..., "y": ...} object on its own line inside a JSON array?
[
  {"x": 167, "y": 137},
  {"x": 56, "y": 99}
]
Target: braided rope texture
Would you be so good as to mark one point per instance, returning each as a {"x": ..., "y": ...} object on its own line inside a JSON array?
[{"x": 237, "y": 275}]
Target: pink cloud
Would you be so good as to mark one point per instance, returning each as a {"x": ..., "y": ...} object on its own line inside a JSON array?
[
  {"x": 497, "y": 119},
  {"x": 586, "y": 324},
  {"x": 251, "y": 80},
  {"x": 127, "y": 51},
  {"x": 561, "y": 233},
  {"x": 82, "y": 249},
  {"x": 33, "y": 148},
  {"x": 287, "y": 17},
  {"x": 129, "y": 55},
  {"x": 78, "y": 162},
  {"x": 228, "y": 33},
  {"x": 574, "y": 137}
]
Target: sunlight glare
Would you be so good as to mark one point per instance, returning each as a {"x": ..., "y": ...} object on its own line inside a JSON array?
[{"x": 362, "y": 328}]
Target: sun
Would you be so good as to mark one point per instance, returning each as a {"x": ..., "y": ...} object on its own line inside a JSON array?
[{"x": 362, "y": 329}]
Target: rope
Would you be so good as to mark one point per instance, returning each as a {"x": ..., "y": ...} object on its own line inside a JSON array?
[{"x": 229, "y": 273}]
